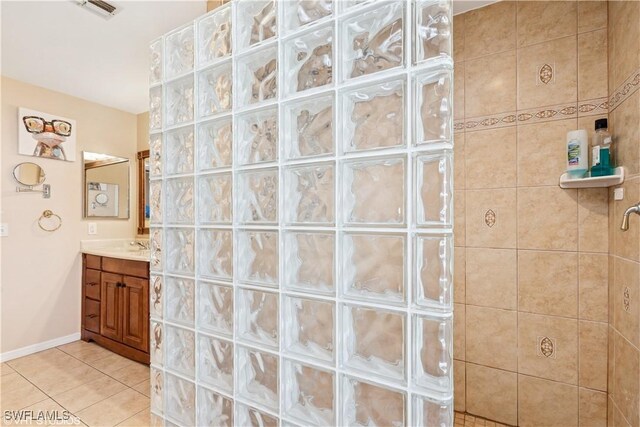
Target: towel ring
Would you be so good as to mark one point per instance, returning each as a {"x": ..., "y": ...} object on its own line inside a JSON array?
[{"x": 48, "y": 214}]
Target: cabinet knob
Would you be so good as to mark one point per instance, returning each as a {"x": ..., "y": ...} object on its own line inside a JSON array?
[
  {"x": 92, "y": 316},
  {"x": 92, "y": 284}
]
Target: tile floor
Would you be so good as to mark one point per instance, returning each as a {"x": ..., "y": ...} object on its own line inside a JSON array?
[
  {"x": 93, "y": 385},
  {"x": 468, "y": 420}
]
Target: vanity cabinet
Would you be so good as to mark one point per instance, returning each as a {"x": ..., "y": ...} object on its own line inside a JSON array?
[{"x": 115, "y": 309}]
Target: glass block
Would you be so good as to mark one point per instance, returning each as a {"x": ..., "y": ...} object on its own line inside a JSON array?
[
  {"x": 214, "y": 36},
  {"x": 434, "y": 186},
  {"x": 214, "y": 198},
  {"x": 257, "y": 137},
  {"x": 155, "y": 155},
  {"x": 179, "y": 103},
  {"x": 180, "y": 401},
  {"x": 180, "y": 350},
  {"x": 374, "y": 40},
  {"x": 180, "y": 248},
  {"x": 214, "y": 410},
  {"x": 432, "y": 412},
  {"x": 215, "y": 254},
  {"x": 374, "y": 116},
  {"x": 215, "y": 363},
  {"x": 309, "y": 262},
  {"x": 178, "y": 148},
  {"x": 258, "y": 22},
  {"x": 373, "y": 267},
  {"x": 155, "y": 62},
  {"x": 257, "y": 377},
  {"x": 155, "y": 108},
  {"x": 365, "y": 404},
  {"x": 308, "y": 127},
  {"x": 247, "y": 416},
  {"x": 155, "y": 202},
  {"x": 302, "y": 12},
  {"x": 309, "y": 328},
  {"x": 215, "y": 308},
  {"x": 310, "y": 194},
  {"x": 433, "y": 352},
  {"x": 347, "y": 4},
  {"x": 433, "y": 276},
  {"x": 308, "y": 394},
  {"x": 433, "y": 106},
  {"x": 433, "y": 38},
  {"x": 155, "y": 297},
  {"x": 257, "y": 196},
  {"x": 156, "y": 387},
  {"x": 181, "y": 300},
  {"x": 257, "y": 317},
  {"x": 258, "y": 257},
  {"x": 155, "y": 420},
  {"x": 374, "y": 191},
  {"x": 155, "y": 245},
  {"x": 215, "y": 140},
  {"x": 179, "y": 48},
  {"x": 258, "y": 73},
  {"x": 215, "y": 90},
  {"x": 374, "y": 342},
  {"x": 308, "y": 60},
  {"x": 179, "y": 202},
  {"x": 156, "y": 344}
]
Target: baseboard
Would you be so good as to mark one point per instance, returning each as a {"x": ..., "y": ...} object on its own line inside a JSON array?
[{"x": 34, "y": 348}]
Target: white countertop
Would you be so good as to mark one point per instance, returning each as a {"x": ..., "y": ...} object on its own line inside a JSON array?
[{"x": 116, "y": 248}]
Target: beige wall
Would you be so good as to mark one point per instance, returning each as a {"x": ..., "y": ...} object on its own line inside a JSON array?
[
  {"x": 143, "y": 131},
  {"x": 624, "y": 287},
  {"x": 41, "y": 271},
  {"x": 531, "y": 258}
]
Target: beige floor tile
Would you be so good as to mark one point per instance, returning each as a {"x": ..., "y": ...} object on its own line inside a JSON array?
[
  {"x": 59, "y": 379},
  {"x": 142, "y": 418},
  {"x": 131, "y": 374},
  {"x": 87, "y": 394},
  {"x": 42, "y": 361},
  {"x": 87, "y": 352},
  {"x": 144, "y": 387},
  {"x": 115, "y": 409},
  {"x": 18, "y": 393},
  {"x": 112, "y": 363},
  {"x": 5, "y": 369},
  {"x": 49, "y": 412}
]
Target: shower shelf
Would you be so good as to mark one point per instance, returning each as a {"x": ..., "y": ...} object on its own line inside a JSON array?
[{"x": 594, "y": 181}]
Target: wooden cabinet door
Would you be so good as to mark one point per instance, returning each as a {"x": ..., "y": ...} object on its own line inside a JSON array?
[
  {"x": 110, "y": 307},
  {"x": 135, "y": 312}
]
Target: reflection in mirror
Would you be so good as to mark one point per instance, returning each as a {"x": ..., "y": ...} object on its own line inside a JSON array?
[
  {"x": 106, "y": 186},
  {"x": 144, "y": 207},
  {"x": 28, "y": 174}
]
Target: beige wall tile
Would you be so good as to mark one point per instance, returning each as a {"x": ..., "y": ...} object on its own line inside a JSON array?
[
  {"x": 562, "y": 364},
  {"x": 592, "y": 408},
  {"x": 624, "y": 36},
  {"x": 490, "y": 29},
  {"x": 459, "y": 380},
  {"x": 627, "y": 377},
  {"x": 548, "y": 283},
  {"x": 626, "y": 299},
  {"x": 611, "y": 335},
  {"x": 592, "y": 15},
  {"x": 562, "y": 87},
  {"x": 490, "y": 329},
  {"x": 459, "y": 331},
  {"x": 547, "y": 218},
  {"x": 626, "y": 244},
  {"x": 459, "y": 178},
  {"x": 542, "y": 152},
  {"x": 592, "y": 65},
  {"x": 490, "y": 84},
  {"x": 497, "y": 230},
  {"x": 626, "y": 135},
  {"x": 492, "y": 277},
  {"x": 458, "y": 38},
  {"x": 459, "y": 217},
  {"x": 619, "y": 419},
  {"x": 593, "y": 283},
  {"x": 490, "y": 158},
  {"x": 458, "y": 91},
  {"x": 492, "y": 393},
  {"x": 592, "y": 345},
  {"x": 546, "y": 403},
  {"x": 539, "y": 21},
  {"x": 593, "y": 220},
  {"x": 459, "y": 275}
]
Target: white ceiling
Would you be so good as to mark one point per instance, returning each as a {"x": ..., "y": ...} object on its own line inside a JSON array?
[{"x": 60, "y": 46}]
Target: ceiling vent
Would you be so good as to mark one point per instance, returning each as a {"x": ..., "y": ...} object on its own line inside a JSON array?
[{"x": 99, "y": 7}]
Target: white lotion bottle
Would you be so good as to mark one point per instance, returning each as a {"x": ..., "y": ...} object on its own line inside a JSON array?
[{"x": 577, "y": 153}]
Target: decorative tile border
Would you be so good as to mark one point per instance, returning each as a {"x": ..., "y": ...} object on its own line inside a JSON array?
[
  {"x": 545, "y": 114},
  {"x": 593, "y": 107},
  {"x": 625, "y": 90},
  {"x": 486, "y": 122}
]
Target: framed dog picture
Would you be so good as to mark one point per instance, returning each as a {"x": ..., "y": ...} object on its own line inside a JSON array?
[{"x": 46, "y": 135}]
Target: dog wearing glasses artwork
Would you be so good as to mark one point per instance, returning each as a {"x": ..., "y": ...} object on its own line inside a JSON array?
[{"x": 45, "y": 135}]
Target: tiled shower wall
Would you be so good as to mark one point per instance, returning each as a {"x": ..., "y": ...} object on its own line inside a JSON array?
[
  {"x": 531, "y": 263},
  {"x": 302, "y": 215},
  {"x": 624, "y": 287}
]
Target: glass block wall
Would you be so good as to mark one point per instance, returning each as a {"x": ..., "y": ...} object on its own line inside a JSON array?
[{"x": 301, "y": 163}]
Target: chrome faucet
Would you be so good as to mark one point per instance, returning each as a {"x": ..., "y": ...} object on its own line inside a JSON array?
[{"x": 625, "y": 218}]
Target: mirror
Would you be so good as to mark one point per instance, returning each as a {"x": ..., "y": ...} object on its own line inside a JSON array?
[
  {"x": 143, "y": 192},
  {"x": 106, "y": 186},
  {"x": 29, "y": 174}
]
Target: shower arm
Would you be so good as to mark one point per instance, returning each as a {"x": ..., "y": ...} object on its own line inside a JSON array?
[{"x": 625, "y": 218}]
